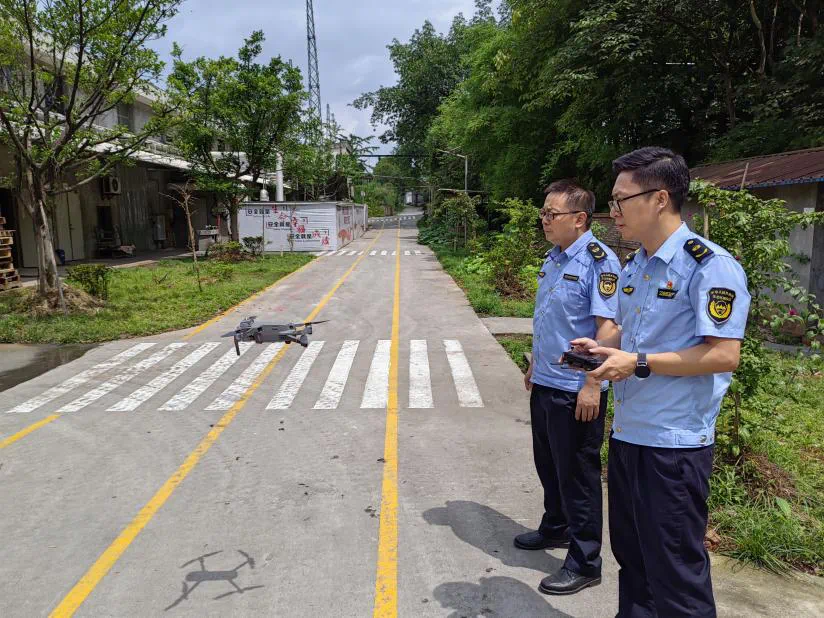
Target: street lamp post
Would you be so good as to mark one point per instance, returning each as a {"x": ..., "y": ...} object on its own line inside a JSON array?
[{"x": 466, "y": 167}]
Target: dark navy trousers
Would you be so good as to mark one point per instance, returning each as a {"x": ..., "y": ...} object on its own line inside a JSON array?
[
  {"x": 657, "y": 523},
  {"x": 568, "y": 459}
]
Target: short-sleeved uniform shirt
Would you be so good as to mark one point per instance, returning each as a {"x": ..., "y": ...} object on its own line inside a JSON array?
[
  {"x": 574, "y": 286},
  {"x": 690, "y": 289}
]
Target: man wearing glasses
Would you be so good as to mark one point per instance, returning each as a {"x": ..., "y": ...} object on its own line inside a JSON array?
[
  {"x": 577, "y": 297},
  {"x": 682, "y": 307}
]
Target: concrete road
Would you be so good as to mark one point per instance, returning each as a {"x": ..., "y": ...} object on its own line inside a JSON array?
[{"x": 383, "y": 471}]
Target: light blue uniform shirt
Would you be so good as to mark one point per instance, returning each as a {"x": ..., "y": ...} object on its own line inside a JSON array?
[
  {"x": 574, "y": 286},
  {"x": 690, "y": 289}
]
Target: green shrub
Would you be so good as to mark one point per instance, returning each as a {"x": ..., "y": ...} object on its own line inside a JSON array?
[
  {"x": 519, "y": 245},
  {"x": 231, "y": 251},
  {"x": 93, "y": 278}
]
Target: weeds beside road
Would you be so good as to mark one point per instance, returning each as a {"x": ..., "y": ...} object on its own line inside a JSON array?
[{"x": 145, "y": 301}]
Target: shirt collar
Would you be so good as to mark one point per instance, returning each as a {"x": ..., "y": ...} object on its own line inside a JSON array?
[
  {"x": 574, "y": 248},
  {"x": 667, "y": 251}
]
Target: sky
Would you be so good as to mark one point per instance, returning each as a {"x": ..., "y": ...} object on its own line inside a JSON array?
[{"x": 352, "y": 36}]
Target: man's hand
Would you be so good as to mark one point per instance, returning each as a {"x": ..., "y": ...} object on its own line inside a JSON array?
[
  {"x": 528, "y": 378},
  {"x": 589, "y": 401},
  {"x": 584, "y": 344},
  {"x": 619, "y": 365}
]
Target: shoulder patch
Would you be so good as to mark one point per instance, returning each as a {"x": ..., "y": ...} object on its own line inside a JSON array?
[
  {"x": 607, "y": 284},
  {"x": 597, "y": 251},
  {"x": 719, "y": 304},
  {"x": 698, "y": 250}
]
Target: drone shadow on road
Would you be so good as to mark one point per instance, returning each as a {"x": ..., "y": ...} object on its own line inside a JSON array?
[{"x": 193, "y": 579}]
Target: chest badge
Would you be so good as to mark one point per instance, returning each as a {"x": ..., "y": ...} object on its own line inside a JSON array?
[
  {"x": 542, "y": 274},
  {"x": 607, "y": 284},
  {"x": 719, "y": 304},
  {"x": 628, "y": 290},
  {"x": 569, "y": 277},
  {"x": 667, "y": 293}
]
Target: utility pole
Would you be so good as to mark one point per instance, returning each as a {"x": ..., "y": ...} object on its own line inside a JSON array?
[
  {"x": 312, "y": 50},
  {"x": 466, "y": 167}
]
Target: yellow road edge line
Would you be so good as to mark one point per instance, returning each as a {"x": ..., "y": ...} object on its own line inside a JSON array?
[
  {"x": 89, "y": 581},
  {"x": 386, "y": 580},
  {"x": 23, "y": 433},
  {"x": 223, "y": 314}
]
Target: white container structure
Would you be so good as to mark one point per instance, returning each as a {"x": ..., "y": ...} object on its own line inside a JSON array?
[{"x": 313, "y": 226}]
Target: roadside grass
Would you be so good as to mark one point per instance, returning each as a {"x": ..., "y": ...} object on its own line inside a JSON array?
[
  {"x": 767, "y": 506},
  {"x": 483, "y": 297},
  {"x": 146, "y": 301}
]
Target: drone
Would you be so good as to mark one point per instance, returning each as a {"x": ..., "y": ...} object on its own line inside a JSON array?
[{"x": 247, "y": 330}]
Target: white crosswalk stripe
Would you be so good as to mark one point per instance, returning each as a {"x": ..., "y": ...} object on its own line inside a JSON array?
[
  {"x": 160, "y": 382},
  {"x": 372, "y": 252},
  {"x": 352, "y": 253},
  {"x": 291, "y": 385},
  {"x": 372, "y": 391},
  {"x": 336, "y": 382},
  {"x": 407, "y": 253},
  {"x": 121, "y": 378},
  {"x": 195, "y": 389},
  {"x": 383, "y": 252},
  {"x": 468, "y": 394},
  {"x": 376, "y": 393},
  {"x": 420, "y": 384},
  {"x": 231, "y": 395},
  {"x": 81, "y": 378}
]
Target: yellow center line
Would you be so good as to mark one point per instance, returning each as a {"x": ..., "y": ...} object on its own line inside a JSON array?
[
  {"x": 24, "y": 432},
  {"x": 386, "y": 580},
  {"x": 78, "y": 594}
]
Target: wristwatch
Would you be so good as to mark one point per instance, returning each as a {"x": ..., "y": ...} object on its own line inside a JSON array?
[{"x": 642, "y": 370}]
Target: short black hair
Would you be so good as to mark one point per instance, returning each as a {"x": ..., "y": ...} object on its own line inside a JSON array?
[
  {"x": 577, "y": 197},
  {"x": 657, "y": 168}
]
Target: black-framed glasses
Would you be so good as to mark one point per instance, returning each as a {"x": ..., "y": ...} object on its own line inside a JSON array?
[
  {"x": 548, "y": 214},
  {"x": 616, "y": 204}
]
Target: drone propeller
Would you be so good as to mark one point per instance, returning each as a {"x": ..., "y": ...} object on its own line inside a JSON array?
[{"x": 310, "y": 323}]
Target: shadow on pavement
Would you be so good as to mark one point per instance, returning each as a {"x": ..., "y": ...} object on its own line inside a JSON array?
[
  {"x": 492, "y": 532},
  {"x": 493, "y": 596}
]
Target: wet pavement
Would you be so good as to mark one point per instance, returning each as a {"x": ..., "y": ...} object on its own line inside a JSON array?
[{"x": 20, "y": 363}]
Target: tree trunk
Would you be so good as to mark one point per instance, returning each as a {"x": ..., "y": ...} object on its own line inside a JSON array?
[
  {"x": 48, "y": 279},
  {"x": 729, "y": 95},
  {"x": 754, "y": 14}
]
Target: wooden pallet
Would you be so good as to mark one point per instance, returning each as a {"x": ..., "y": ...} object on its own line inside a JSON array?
[{"x": 5, "y": 253}]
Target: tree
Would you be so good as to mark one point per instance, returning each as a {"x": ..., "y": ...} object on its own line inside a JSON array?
[
  {"x": 236, "y": 117},
  {"x": 184, "y": 198},
  {"x": 70, "y": 66},
  {"x": 757, "y": 233}
]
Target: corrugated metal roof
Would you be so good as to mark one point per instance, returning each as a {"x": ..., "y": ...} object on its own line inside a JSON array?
[{"x": 787, "y": 168}]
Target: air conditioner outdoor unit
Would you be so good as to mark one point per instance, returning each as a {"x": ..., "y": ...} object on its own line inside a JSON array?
[{"x": 111, "y": 185}]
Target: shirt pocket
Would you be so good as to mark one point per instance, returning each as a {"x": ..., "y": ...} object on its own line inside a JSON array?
[
  {"x": 673, "y": 317},
  {"x": 571, "y": 294}
]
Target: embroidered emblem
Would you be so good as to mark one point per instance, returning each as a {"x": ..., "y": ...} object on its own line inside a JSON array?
[
  {"x": 597, "y": 251},
  {"x": 569, "y": 277},
  {"x": 665, "y": 293},
  {"x": 719, "y": 304},
  {"x": 628, "y": 290},
  {"x": 607, "y": 284},
  {"x": 697, "y": 249},
  {"x": 542, "y": 274}
]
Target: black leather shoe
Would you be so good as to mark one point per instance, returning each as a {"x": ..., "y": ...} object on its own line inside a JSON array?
[
  {"x": 538, "y": 540},
  {"x": 567, "y": 582}
]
